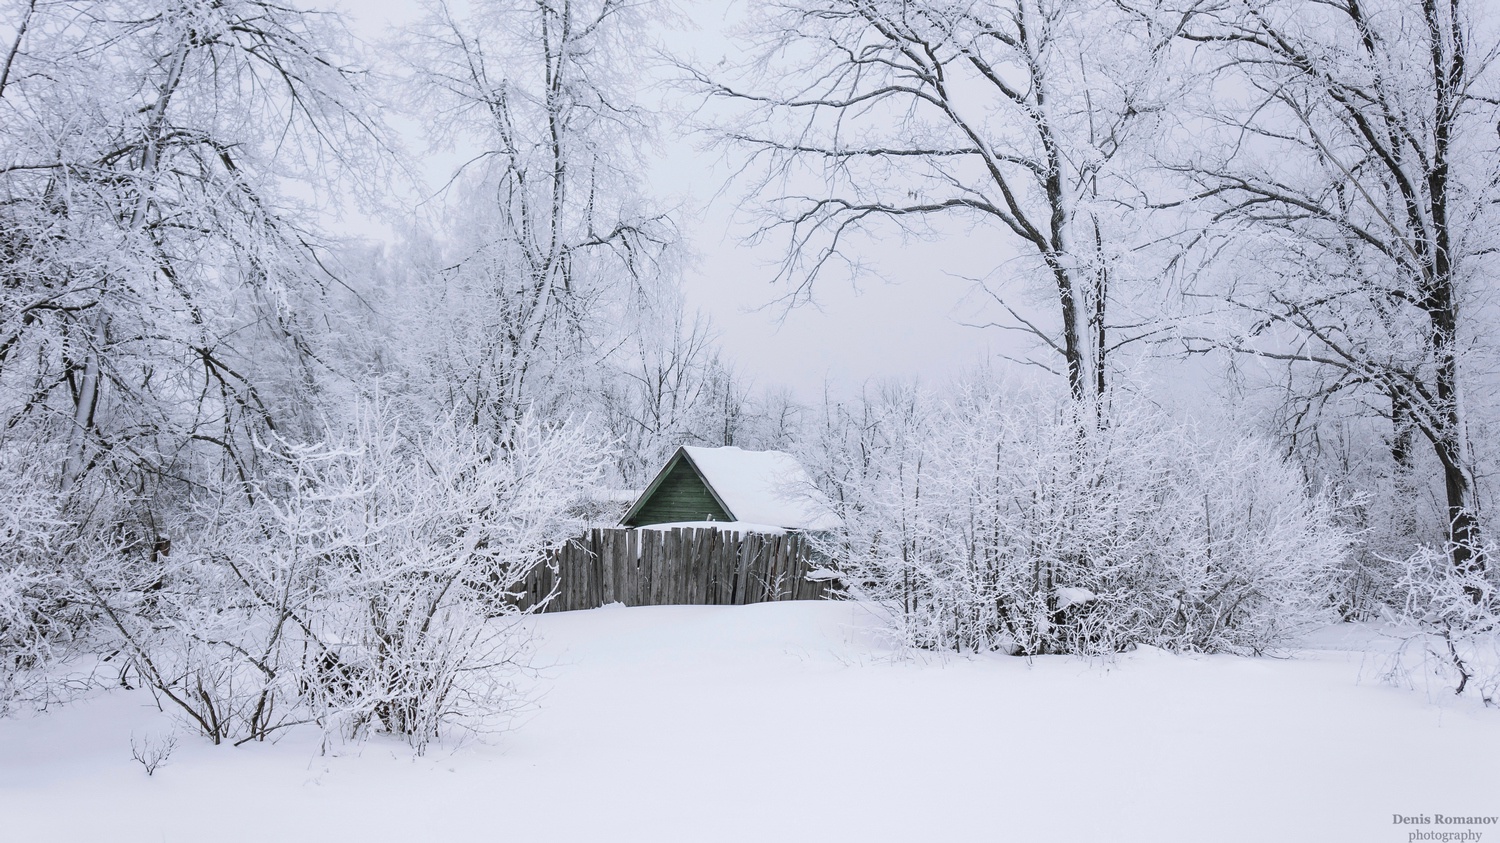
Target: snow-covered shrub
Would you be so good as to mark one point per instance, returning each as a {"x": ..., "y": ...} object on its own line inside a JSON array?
[
  {"x": 1249, "y": 561},
  {"x": 417, "y": 628},
  {"x": 1456, "y": 616},
  {"x": 1389, "y": 506},
  {"x": 36, "y": 619},
  {"x": 1009, "y": 522},
  {"x": 152, "y": 752},
  {"x": 364, "y": 587},
  {"x": 218, "y": 637}
]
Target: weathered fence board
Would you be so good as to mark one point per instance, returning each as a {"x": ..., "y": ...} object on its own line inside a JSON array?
[{"x": 663, "y": 567}]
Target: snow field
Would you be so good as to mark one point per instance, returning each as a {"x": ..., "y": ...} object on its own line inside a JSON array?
[{"x": 789, "y": 721}]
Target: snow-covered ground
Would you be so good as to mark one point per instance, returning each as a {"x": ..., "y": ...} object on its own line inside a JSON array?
[{"x": 787, "y": 721}]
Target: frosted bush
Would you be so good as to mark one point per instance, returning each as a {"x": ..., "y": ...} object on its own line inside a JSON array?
[
  {"x": 364, "y": 589},
  {"x": 1456, "y": 618},
  {"x": 992, "y": 522},
  {"x": 36, "y": 619}
]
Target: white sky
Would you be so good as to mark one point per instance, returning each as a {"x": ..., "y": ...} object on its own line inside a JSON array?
[{"x": 902, "y": 319}]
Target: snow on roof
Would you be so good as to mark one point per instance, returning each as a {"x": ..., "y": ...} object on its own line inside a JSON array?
[
  {"x": 721, "y": 526},
  {"x": 764, "y": 487}
]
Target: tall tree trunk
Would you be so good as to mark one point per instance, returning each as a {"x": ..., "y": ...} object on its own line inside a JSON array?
[{"x": 1446, "y": 39}]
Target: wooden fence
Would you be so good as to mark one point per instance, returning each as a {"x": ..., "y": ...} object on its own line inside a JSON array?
[{"x": 679, "y": 566}]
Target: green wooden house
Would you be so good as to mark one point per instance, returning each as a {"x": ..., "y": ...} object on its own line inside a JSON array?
[{"x": 768, "y": 490}]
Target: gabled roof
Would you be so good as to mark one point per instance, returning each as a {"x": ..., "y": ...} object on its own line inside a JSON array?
[{"x": 756, "y": 487}]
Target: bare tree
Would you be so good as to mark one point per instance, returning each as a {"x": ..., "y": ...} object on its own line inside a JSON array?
[
  {"x": 1016, "y": 119},
  {"x": 153, "y": 277},
  {"x": 653, "y": 397},
  {"x": 1352, "y": 190},
  {"x": 553, "y": 246}
]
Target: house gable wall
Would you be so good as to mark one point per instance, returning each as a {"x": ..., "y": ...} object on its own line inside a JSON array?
[{"x": 681, "y": 496}]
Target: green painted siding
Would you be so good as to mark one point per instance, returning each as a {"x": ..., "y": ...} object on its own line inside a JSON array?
[{"x": 680, "y": 497}]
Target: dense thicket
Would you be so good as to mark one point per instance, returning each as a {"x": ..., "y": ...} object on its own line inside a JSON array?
[
  {"x": 992, "y": 520},
  {"x": 282, "y": 479},
  {"x": 159, "y": 288}
]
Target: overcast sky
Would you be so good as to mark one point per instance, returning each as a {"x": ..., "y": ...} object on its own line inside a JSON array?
[{"x": 903, "y": 318}]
